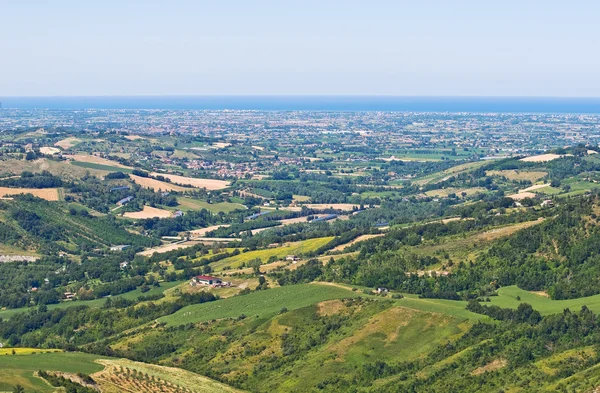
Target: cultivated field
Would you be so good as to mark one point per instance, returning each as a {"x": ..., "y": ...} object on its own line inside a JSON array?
[
  {"x": 279, "y": 252},
  {"x": 262, "y": 303},
  {"x": 522, "y": 195},
  {"x": 209, "y": 184},
  {"x": 203, "y": 231},
  {"x": 195, "y": 204},
  {"x": 458, "y": 191},
  {"x": 133, "y": 137},
  {"x": 516, "y": 175},
  {"x": 359, "y": 239},
  {"x": 91, "y": 159},
  {"x": 49, "y": 194},
  {"x": 118, "y": 376},
  {"x": 545, "y": 157},
  {"x": 507, "y": 298},
  {"x": 534, "y": 187},
  {"x": 156, "y": 185},
  {"x": 167, "y": 248},
  {"x": 20, "y": 368},
  {"x": 68, "y": 143},
  {"x": 49, "y": 150},
  {"x": 149, "y": 212}
]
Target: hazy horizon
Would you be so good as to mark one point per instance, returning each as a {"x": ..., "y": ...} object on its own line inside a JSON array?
[{"x": 335, "y": 48}]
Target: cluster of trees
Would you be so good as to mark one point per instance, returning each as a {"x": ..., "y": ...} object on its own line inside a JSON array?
[{"x": 33, "y": 180}]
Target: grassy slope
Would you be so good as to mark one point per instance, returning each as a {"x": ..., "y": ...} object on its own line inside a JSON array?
[
  {"x": 508, "y": 299},
  {"x": 279, "y": 252},
  {"x": 187, "y": 204},
  {"x": 174, "y": 376},
  {"x": 20, "y": 369},
  {"x": 263, "y": 303},
  {"x": 101, "y": 167}
]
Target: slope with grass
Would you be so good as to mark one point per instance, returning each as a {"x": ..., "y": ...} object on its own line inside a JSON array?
[
  {"x": 20, "y": 368},
  {"x": 304, "y": 246},
  {"x": 262, "y": 303},
  {"x": 512, "y": 296}
]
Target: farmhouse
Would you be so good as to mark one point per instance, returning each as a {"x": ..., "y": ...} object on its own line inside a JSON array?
[
  {"x": 206, "y": 280},
  {"x": 547, "y": 203},
  {"x": 120, "y": 247}
]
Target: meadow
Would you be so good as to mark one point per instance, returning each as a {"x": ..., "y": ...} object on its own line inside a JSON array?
[
  {"x": 187, "y": 204},
  {"x": 20, "y": 368},
  {"x": 279, "y": 252},
  {"x": 512, "y": 296},
  {"x": 261, "y": 303}
]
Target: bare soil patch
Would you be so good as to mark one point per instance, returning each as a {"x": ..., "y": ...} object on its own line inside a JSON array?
[
  {"x": 149, "y": 212},
  {"x": 209, "y": 184}
]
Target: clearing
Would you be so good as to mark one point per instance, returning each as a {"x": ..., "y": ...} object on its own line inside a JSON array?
[
  {"x": 209, "y": 184},
  {"x": 149, "y": 212},
  {"x": 545, "y": 157},
  {"x": 156, "y": 185},
  {"x": 68, "y": 143},
  {"x": 361, "y": 238},
  {"x": 49, "y": 194},
  {"x": 49, "y": 150},
  {"x": 507, "y": 298},
  {"x": 517, "y": 175},
  {"x": 279, "y": 252},
  {"x": 195, "y": 204},
  {"x": 262, "y": 303},
  {"x": 20, "y": 368},
  {"x": 116, "y": 377},
  {"x": 167, "y": 248},
  {"x": 522, "y": 195}
]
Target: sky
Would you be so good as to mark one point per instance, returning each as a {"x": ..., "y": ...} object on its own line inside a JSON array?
[{"x": 303, "y": 47}]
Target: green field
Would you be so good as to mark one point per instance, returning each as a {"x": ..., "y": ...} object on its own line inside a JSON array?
[
  {"x": 187, "y": 204},
  {"x": 132, "y": 295},
  {"x": 507, "y": 298},
  {"x": 20, "y": 369},
  {"x": 279, "y": 252},
  {"x": 262, "y": 303},
  {"x": 101, "y": 167}
]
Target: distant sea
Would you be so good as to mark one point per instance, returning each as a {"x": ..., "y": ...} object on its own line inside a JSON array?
[{"x": 316, "y": 103}]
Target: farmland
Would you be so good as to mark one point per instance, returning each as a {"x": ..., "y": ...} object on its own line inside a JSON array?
[
  {"x": 49, "y": 194},
  {"x": 511, "y": 297},
  {"x": 265, "y": 303},
  {"x": 148, "y": 212},
  {"x": 20, "y": 368},
  {"x": 209, "y": 184},
  {"x": 195, "y": 204},
  {"x": 278, "y": 252},
  {"x": 155, "y": 185}
]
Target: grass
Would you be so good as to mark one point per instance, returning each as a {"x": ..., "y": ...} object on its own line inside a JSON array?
[
  {"x": 132, "y": 295},
  {"x": 187, "y": 204},
  {"x": 458, "y": 191},
  {"x": 261, "y": 303},
  {"x": 181, "y": 379},
  {"x": 279, "y": 252},
  {"x": 101, "y": 167},
  {"x": 20, "y": 369},
  {"x": 507, "y": 298}
]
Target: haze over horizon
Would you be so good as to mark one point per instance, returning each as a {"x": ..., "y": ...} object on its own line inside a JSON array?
[{"x": 184, "y": 47}]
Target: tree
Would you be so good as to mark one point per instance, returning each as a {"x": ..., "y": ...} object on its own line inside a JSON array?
[{"x": 18, "y": 389}]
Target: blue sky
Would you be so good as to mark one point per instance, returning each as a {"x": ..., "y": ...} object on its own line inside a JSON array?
[{"x": 256, "y": 47}]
